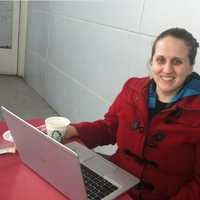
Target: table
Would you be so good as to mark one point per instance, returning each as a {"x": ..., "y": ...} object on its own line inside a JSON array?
[{"x": 19, "y": 182}]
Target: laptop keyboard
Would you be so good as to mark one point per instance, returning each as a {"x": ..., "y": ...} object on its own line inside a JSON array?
[{"x": 97, "y": 187}]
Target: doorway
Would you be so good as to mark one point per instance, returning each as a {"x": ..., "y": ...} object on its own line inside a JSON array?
[{"x": 9, "y": 36}]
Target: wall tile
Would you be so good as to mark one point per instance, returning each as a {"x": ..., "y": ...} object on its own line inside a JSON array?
[
  {"x": 37, "y": 28},
  {"x": 39, "y": 5},
  {"x": 100, "y": 58},
  {"x": 34, "y": 71},
  {"x": 117, "y": 13},
  {"x": 71, "y": 99}
]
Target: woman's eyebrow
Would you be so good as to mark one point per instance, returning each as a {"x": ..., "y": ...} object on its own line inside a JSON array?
[{"x": 180, "y": 58}]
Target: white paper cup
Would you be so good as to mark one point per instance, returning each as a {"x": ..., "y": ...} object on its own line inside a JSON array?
[{"x": 56, "y": 127}]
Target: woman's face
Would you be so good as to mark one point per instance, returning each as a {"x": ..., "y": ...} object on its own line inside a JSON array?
[{"x": 170, "y": 66}]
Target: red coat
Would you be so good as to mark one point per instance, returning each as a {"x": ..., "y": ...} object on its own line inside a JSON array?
[{"x": 163, "y": 152}]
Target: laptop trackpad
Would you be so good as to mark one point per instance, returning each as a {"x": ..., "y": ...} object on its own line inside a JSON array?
[{"x": 100, "y": 165}]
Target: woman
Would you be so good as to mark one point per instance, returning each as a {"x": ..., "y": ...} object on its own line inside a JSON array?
[{"x": 155, "y": 122}]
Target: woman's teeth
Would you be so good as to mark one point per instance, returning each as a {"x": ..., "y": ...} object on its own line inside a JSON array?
[{"x": 167, "y": 78}]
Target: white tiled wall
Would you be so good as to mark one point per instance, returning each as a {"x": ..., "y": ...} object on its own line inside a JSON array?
[
  {"x": 79, "y": 53},
  {"x": 37, "y": 38},
  {"x": 159, "y": 15},
  {"x": 95, "y": 54},
  {"x": 124, "y": 14}
]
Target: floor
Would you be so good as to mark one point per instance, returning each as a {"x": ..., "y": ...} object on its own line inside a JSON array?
[{"x": 18, "y": 97}]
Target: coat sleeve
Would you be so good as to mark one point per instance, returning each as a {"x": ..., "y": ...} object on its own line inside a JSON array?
[
  {"x": 103, "y": 132},
  {"x": 191, "y": 191}
]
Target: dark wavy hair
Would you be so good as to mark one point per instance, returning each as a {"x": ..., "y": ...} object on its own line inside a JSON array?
[{"x": 181, "y": 34}]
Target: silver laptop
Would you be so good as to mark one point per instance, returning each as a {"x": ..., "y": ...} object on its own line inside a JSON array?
[{"x": 69, "y": 168}]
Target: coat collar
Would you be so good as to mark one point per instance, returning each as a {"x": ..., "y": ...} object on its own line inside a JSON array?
[{"x": 191, "y": 103}]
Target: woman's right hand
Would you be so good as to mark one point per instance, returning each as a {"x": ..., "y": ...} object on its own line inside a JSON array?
[{"x": 71, "y": 132}]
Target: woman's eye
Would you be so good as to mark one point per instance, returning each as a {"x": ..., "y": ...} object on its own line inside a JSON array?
[
  {"x": 176, "y": 62},
  {"x": 160, "y": 60}
]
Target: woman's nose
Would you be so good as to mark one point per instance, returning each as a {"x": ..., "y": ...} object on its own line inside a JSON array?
[{"x": 168, "y": 68}]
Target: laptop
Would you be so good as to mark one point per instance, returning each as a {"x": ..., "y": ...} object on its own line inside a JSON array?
[{"x": 69, "y": 168}]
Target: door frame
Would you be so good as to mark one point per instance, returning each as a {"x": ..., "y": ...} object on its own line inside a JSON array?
[
  {"x": 22, "y": 37},
  {"x": 9, "y": 56}
]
